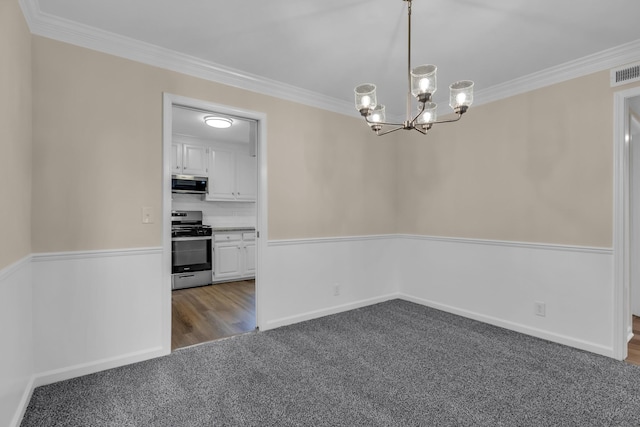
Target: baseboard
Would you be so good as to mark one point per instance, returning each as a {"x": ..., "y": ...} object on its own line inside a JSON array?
[
  {"x": 538, "y": 333},
  {"x": 56, "y": 375},
  {"x": 283, "y": 321},
  {"x": 24, "y": 403}
]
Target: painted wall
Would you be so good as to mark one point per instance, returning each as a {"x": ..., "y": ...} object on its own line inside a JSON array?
[
  {"x": 15, "y": 134},
  {"x": 97, "y": 155},
  {"x": 536, "y": 167},
  {"x": 16, "y": 358}
]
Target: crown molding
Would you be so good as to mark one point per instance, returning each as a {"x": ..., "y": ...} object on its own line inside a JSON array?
[
  {"x": 49, "y": 26},
  {"x": 46, "y": 25},
  {"x": 600, "y": 61}
]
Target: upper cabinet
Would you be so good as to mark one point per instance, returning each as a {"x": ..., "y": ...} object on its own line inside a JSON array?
[
  {"x": 232, "y": 175},
  {"x": 189, "y": 159}
]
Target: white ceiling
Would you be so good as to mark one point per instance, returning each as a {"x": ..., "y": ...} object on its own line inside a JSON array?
[
  {"x": 190, "y": 122},
  {"x": 329, "y": 46}
]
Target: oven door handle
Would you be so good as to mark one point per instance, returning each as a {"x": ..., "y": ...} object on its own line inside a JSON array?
[{"x": 186, "y": 239}]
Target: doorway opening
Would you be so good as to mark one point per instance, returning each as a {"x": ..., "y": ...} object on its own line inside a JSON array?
[{"x": 223, "y": 299}]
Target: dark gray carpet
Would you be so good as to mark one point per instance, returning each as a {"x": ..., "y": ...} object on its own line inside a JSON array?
[{"x": 390, "y": 364}]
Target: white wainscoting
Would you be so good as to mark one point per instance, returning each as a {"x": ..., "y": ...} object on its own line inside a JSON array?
[
  {"x": 16, "y": 357},
  {"x": 96, "y": 310},
  {"x": 301, "y": 274},
  {"x": 82, "y": 312},
  {"x": 498, "y": 283}
]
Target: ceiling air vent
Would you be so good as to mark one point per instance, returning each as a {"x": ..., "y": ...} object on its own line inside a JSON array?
[{"x": 626, "y": 74}]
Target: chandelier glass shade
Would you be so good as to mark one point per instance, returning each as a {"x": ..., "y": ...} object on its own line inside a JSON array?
[{"x": 422, "y": 84}]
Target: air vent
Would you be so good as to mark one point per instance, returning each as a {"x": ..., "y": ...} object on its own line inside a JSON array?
[{"x": 626, "y": 74}]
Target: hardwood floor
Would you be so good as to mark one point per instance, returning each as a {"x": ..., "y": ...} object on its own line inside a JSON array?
[
  {"x": 633, "y": 355},
  {"x": 212, "y": 312}
]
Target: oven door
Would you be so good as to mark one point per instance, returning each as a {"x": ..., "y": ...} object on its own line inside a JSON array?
[{"x": 190, "y": 254}]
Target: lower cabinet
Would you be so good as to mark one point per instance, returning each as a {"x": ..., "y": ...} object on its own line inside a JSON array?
[{"x": 234, "y": 255}]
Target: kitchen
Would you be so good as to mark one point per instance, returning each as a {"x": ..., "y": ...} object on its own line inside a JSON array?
[{"x": 213, "y": 225}]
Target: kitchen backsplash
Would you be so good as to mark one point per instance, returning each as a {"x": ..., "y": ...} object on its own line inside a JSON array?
[{"x": 217, "y": 214}]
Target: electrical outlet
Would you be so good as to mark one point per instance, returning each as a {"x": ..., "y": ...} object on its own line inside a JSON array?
[
  {"x": 336, "y": 289},
  {"x": 148, "y": 216},
  {"x": 540, "y": 308}
]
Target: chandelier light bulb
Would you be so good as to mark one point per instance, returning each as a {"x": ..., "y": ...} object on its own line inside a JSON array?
[
  {"x": 365, "y": 98},
  {"x": 461, "y": 94},
  {"x": 377, "y": 115},
  {"x": 429, "y": 113}
]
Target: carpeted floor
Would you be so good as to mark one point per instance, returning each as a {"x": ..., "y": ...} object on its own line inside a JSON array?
[{"x": 390, "y": 364}]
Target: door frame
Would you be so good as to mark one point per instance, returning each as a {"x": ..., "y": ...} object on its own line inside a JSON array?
[
  {"x": 622, "y": 327},
  {"x": 168, "y": 101}
]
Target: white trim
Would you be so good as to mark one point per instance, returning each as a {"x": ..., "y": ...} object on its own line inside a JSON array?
[
  {"x": 504, "y": 243},
  {"x": 71, "y": 32},
  {"x": 66, "y": 373},
  {"x": 337, "y": 239},
  {"x": 290, "y": 320},
  {"x": 600, "y": 61},
  {"x": 513, "y": 244},
  {"x": 169, "y": 100},
  {"x": 621, "y": 295},
  {"x": 11, "y": 269},
  {"x": 73, "y": 255},
  {"x": 24, "y": 403},
  {"x": 538, "y": 333}
]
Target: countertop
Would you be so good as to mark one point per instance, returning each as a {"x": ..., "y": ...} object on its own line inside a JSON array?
[{"x": 231, "y": 228}]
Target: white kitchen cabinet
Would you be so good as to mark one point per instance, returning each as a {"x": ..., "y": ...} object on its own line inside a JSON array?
[
  {"x": 234, "y": 256},
  {"x": 246, "y": 177},
  {"x": 227, "y": 259},
  {"x": 189, "y": 159},
  {"x": 249, "y": 247},
  {"x": 232, "y": 176},
  {"x": 222, "y": 180}
]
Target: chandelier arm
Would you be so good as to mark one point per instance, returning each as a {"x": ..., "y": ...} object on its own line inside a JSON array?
[
  {"x": 449, "y": 120},
  {"x": 382, "y": 123},
  {"x": 390, "y": 130},
  {"x": 422, "y": 131},
  {"x": 413, "y": 121}
]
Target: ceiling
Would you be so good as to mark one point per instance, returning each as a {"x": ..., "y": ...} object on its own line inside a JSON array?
[
  {"x": 328, "y": 47},
  {"x": 190, "y": 122}
]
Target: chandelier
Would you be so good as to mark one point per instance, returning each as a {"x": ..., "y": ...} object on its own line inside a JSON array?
[{"x": 422, "y": 85}]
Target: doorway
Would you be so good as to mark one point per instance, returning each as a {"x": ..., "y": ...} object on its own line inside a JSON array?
[{"x": 230, "y": 304}]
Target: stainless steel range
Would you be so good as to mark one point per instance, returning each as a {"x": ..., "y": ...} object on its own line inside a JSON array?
[{"x": 191, "y": 259}]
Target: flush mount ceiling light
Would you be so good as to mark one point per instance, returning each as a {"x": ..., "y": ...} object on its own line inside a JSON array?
[
  {"x": 422, "y": 85},
  {"x": 218, "y": 122}
]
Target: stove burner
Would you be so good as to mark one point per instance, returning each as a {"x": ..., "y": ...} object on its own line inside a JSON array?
[
  {"x": 191, "y": 230},
  {"x": 188, "y": 224}
]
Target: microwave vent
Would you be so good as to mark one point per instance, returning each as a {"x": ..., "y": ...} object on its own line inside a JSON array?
[{"x": 625, "y": 74}]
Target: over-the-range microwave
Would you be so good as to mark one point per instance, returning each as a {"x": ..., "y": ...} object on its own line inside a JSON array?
[{"x": 188, "y": 184}]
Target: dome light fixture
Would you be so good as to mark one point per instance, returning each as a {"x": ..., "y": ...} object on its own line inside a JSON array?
[
  {"x": 421, "y": 84},
  {"x": 218, "y": 122}
]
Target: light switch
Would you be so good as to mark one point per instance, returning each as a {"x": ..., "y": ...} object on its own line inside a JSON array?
[{"x": 148, "y": 216}]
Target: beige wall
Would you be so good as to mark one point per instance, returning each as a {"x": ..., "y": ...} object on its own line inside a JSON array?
[
  {"x": 15, "y": 134},
  {"x": 98, "y": 160},
  {"x": 536, "y": 167}
]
